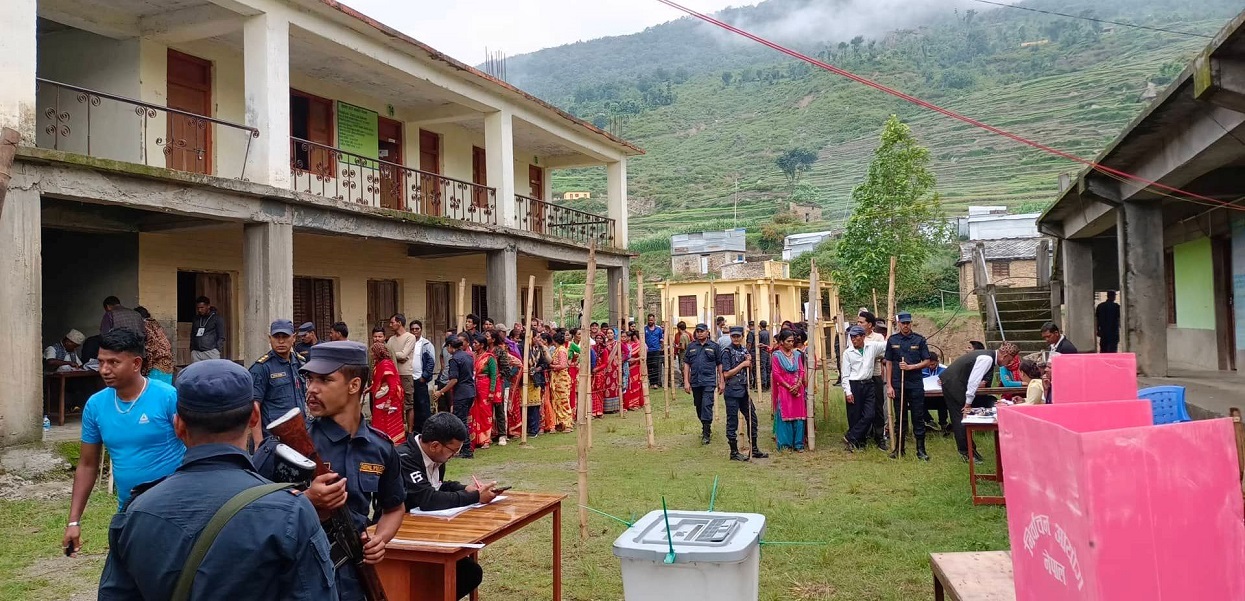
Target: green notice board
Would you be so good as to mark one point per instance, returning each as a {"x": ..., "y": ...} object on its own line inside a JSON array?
[{"x": 358, "y": 131}]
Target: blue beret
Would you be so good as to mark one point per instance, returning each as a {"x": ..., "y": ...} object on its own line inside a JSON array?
[
  {"x": 737, "y": 330},
  {"x": 307, "y": 327},
  {"x": 855, "y": 331},
  {"x": 328, "y": 357},
  {"x": 701, "y": 326},
  {"x": 905, "y": 318},
  {"x": 281, "y": 326},
  {"x": 214, "y": 386}
]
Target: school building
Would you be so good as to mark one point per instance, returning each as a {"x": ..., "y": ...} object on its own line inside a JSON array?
[
  {"x": 286, "y": 158},
  {"x": 768, "y": 295}
]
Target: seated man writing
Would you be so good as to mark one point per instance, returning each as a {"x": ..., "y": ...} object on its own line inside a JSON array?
[
  {"x": 65, "y": 352},
  {"x": 423, "y": 466}
]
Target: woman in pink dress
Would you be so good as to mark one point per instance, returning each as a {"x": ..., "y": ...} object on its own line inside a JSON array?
[
  {"x": 600, "y": 375},
  {"x": 387, "y": 395},
  {"x": 788, "y": 390}
]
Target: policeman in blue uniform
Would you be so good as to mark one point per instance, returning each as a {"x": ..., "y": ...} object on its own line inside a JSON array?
[
  {"x": 279, "y": 386},
  {"x": 701, "y": 377},
  {"x": 273, "y": 548},
  {"x": 906, "y": 355},
  {"x": 365, "y": 468},
  {"x": 736, "y": 363}
]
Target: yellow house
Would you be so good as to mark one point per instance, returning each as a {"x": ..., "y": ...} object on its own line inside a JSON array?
[
  {"x": 701, "y": 301},
  {"x": 576, "y": 195}
]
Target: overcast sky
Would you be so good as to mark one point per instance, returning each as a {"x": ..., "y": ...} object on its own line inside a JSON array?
[{"x": 463, "y": 28}]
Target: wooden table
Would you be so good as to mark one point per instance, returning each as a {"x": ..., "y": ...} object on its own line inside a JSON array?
[
  {"x": 50, "y": 383},
  {"x": 995, "y": 391},
  {"x": 978, "y": 576},
  {"x": 973, "y": 476},
  {"x": 411, "y": 571}
]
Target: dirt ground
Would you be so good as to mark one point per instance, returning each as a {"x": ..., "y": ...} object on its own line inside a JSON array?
[{"x": 952, "y": 341}]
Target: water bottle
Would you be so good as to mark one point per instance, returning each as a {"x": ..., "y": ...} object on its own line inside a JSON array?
[{"x": 47, "y": 427}]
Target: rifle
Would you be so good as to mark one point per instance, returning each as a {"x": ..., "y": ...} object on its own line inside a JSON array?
[{"x": 291, "y": 430}]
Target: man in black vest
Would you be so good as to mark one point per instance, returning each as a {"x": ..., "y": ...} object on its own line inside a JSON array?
[{"x": 960, "y": 382}]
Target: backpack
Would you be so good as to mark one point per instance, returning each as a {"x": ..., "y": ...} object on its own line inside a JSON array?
[{"x": 506, "y": 366}]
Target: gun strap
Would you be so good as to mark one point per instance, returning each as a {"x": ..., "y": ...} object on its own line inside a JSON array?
[{"x": 186, "y": 580}]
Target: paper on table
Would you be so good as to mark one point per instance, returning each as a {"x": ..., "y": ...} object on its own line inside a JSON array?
[
  {"x": 932, "y": 383},
  {"x": 453, "y": 511},
  {"x": 979, "y": 419}
]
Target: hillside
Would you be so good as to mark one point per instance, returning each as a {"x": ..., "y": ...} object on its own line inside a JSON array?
[{"x": 713, "y": 111}]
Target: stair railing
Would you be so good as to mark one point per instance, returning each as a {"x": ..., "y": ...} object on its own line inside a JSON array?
[{"x": 982, "y": 273}]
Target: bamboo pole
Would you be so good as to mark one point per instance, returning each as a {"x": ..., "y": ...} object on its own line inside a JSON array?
[
  {"x": 890, "y": 317},
  {"x": 624, "y": 305},
  {"x": 705, "y": 309},
  {"x": 713, "y": 310},
  {"x": 809, "y": 402},
  {"x": 462, "y": 313},
  {"x": 562, "y": 308},
  {"x": 648, "y": 409},
  {"x": 667, "y": 342},
  {"x": 585, "y": 397},
  {"x": 739, "y": 316},
  {"x": 775, "y": 318},
  {"x": 875, "y": 302},
  {"x": 527, "y": 351},
  {"x": 754, "y": 311}
]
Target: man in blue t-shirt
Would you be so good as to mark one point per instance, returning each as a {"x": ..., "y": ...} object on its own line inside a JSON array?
[{"x": 133, "y": 419}]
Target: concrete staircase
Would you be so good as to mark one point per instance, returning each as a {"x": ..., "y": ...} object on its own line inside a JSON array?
[{"x": 1022, "y": 311}]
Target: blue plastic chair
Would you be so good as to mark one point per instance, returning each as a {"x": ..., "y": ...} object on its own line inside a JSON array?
[{"x": 1167, "y": 403}]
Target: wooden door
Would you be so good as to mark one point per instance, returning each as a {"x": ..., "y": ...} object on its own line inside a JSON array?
[
  {"x": 431, "y": 194},
  {"x": 1225, "y": 313},
  {"x": 382, "y": 302},
  {"x": 438, "y": 312},
  {"x": 189, "y": 89},
  {"x": 538, "y": 212},
  {"x": 479, "y": 176},
  {"x": 311, "y": 119},
  {"x": 392, "y": 178}
]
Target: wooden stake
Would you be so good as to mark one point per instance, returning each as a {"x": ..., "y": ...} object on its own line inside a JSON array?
[
  {"x": 812, "y": 359},
  {"x": 562, "y": 307},
  {"x": 648, "y": 409},
  {"x": 756, "y": 338},
  {"x": 890, "y": 319},
  {"x": 667, "y": 346},
  {"x": 875, "y": 302},
  {"x": 825, "y": 362},
  {"x": 462, "y": 313},
  {"x": 713, "y": 311},
  {"x": 585, "y": 396},
  {"x": 771, "y": 301},
  {"x": 527, "y": 351},
  {"x": 624, "y": 305}
]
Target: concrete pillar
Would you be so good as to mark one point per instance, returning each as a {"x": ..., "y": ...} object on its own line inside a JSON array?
[
  {"x": 502, "y": 273},
  {"x": 266, "y": 49},
  {"x": 21, "y": 316},
  {"x": 268, "y": 265},
  {"x": 616, "y": 176},
  {"x": 499, "y": 159},
  {"x": 1078, "y": 291},
  {"x": 17, "y": 70},
  {"x": 1143, "y": 313},
  {"x": 615, "y": 292}
]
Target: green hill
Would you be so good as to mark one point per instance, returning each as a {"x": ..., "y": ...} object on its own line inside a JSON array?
[{"x": 712, "y": 111}]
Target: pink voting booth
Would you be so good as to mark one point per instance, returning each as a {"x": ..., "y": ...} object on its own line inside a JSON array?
[
  {"x": 1103, "y": 506},
  {"x": 1085, "y": 378}
]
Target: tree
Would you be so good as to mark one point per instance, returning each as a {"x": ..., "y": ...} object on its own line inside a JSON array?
[
  {"x": 726, "y": 78},
  {"x": 896, "y": 212},
  {"x": 793, "y": 163}
]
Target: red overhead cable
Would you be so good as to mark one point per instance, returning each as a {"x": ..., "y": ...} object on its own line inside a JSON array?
[{"x": 952, "y": 114}]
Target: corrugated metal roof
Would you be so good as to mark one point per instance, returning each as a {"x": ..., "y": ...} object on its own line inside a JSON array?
[{"x": 996, "y": 250}]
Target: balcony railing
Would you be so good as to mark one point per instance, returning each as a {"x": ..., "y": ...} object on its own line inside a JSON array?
[
  {"x": 563, "y": 222},
  {"x": 107, "y": 126},
  {"x": 334, "y": 173}
]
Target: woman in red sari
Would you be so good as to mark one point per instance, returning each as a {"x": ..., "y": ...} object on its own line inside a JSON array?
[
  {"x": 599, "y": 374},
  {"x": 572, "y": 355},
  {"x": 633, "y": 397},
  {"x": 387, "y": 395},
  {"x": 488, "y": 386},
  {"x": 514, "y": 414}
]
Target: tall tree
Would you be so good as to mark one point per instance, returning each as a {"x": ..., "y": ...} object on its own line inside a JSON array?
[
  {"x": 896, "y": 212},
  {"x": 793, "y": 163}
]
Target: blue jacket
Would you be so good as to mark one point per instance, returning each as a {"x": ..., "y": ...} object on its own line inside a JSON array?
[
  {"x": 278, "y": 385},
  {"x": 273, "y": 548}
]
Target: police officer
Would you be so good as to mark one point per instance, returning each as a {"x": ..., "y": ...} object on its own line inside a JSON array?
[
  {"x": 906, "y": 355},
  {"x": 279, "y": 386},
  {"x": 736, "y": 363},
  {"x": 307, "y": 338},
  {"x": 366, "y": 470},
  {"x": 279, "y": 535},
  {"x": 702, "y": 377}
]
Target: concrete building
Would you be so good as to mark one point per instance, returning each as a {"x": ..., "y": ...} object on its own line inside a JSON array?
[
  {"x": 798, "y": 244},
  {"x": 287, "y": 158},
  {"x": 1179, "y": 262},
  {"x": 702, "y": 253},
  {"x": 1002, "y": 226},
  {"x": 758, "y": 269},
  {"x": 806, "y": 213},
  {"x": 701, "y": 301},
  {"x": 576, "y": 195}
]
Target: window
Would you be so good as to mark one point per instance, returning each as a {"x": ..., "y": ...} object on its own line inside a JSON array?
[
  {"x": 314, "y": 301},
  {"x": 1169, "y": 275},
  {"x": 1000, "y": 269},
  {"x": 382, "y": 302},
  {"x": 479, "y": 301},
  {"x": 724, "y": 304},
  {"x": 687, "y": 305},
  {"x": 311, "y": 119},
  {"x": 537, "y": 311}
]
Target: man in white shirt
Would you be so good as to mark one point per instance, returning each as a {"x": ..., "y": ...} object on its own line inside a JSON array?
[
  {"x": 961, "y": 380},
  {"x": 423, "y": 362},
  {"x": 857, "y": 371},
  {"x": 866, "y": 321}
]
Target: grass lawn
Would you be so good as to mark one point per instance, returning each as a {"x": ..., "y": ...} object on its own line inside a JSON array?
[{"x": 878, "y": 519}]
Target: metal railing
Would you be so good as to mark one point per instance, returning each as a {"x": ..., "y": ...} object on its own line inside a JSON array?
[
  {"x": 102, "y": 125},
  {"x": 334, "y": 173},
  {"x": 558, "y": 221},
  {"x": 987, "y": 289}
]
